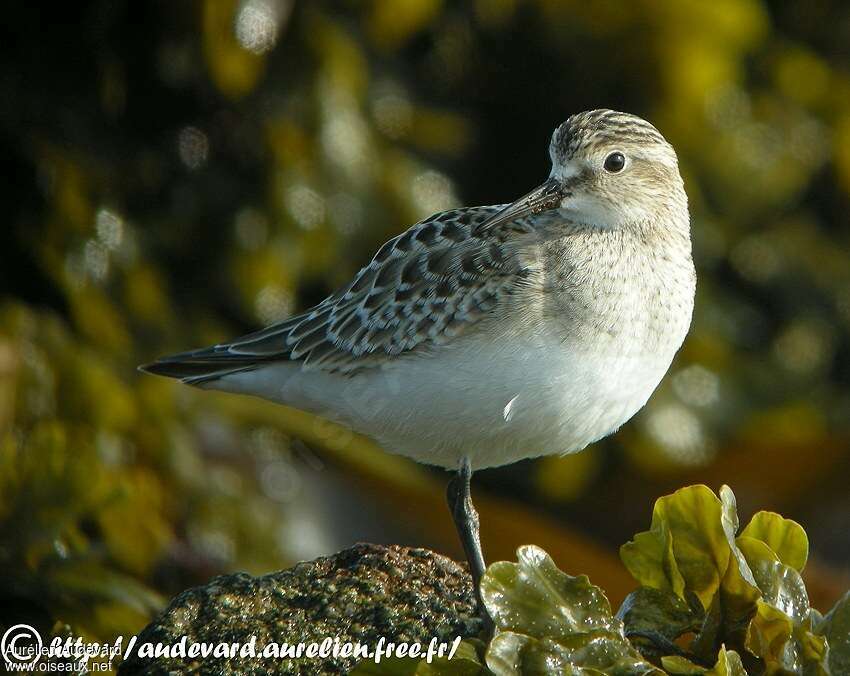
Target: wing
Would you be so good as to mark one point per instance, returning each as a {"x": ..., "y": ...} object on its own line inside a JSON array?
[{"x": 421, "y": 289}]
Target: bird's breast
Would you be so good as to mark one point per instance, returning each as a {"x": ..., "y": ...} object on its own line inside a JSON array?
[{"x": 616, "y": 296}]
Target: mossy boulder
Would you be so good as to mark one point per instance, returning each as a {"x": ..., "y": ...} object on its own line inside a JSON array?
[{"x": 360, "y": 594}]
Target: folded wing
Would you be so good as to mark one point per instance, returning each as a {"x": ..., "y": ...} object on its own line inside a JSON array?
[{"x": 421, "y": 289}]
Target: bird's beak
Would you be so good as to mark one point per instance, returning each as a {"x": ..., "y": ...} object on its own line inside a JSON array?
[{"x": 542, "y": 198}]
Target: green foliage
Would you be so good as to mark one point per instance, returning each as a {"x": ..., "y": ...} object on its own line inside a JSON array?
[
  {"x": 751, "y": 596},
  {"x": 711, "y": 601},
  {"x": 59, "y": 498},
  {"x": 87, "y": 475},
  {"x": 549, "y": 621},
  {"x": 728, "y": 664},
  {"x": 835, "y": 628}
]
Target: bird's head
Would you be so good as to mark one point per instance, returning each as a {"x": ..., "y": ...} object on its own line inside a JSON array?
[{"x": 609, "y": 170}]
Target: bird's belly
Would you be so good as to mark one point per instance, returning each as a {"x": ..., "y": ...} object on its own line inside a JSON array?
[{"x": 497, "y": 403}]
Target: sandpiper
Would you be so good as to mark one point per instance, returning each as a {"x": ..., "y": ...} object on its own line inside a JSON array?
[{"x": 484, "y": 335}]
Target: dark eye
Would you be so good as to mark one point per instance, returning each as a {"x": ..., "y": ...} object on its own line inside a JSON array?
[{"x": 615, "y": 162}]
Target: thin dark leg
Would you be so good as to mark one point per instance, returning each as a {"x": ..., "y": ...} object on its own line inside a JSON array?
[{"x": 459, "y": 497}]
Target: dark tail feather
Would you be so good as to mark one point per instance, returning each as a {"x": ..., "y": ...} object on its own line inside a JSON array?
[{"x": 197, "y": 368}]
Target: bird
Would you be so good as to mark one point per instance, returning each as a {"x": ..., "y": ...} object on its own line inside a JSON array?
[{"x": 485, "y": 335}]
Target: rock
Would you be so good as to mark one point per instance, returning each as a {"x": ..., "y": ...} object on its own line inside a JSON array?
[{"x": 360, "y": 594}]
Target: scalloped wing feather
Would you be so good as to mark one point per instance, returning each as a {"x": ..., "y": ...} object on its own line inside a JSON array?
[{"x": 421, "y": 288}]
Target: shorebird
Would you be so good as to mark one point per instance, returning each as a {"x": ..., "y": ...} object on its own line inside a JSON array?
[{"x": 485, "y": 335}]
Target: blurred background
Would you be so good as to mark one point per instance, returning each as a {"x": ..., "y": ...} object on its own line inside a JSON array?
[{"x": 178, "y": 173}]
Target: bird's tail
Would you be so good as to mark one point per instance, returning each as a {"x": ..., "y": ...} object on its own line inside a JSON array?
[
  {"x": 201, "y": 367},
  {"x": 207, "y": 365}
]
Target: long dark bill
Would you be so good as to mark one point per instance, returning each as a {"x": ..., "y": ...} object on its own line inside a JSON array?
[{"x": 542, "y": 198}]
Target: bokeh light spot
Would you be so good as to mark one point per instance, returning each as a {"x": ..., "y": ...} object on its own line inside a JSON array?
[
  {"x": 306, "y": 206},
  {"x": 273, "y": 303},
  {"x": 697, "y": 386},
  {"x": 432, "y": 192},
  {"x": 258, "y": 23},
  {"x": 679, "y": 434},
  {"x": 110, "y": 228},
  {"x": 193, "y": 146},
  {"x": 805, "y": 346}
]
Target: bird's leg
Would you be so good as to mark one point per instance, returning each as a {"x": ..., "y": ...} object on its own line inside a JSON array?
[{"x": 459, "y": 497}]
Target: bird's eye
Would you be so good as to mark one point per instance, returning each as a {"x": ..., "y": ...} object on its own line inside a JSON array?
[{"x": 615, "y": 162}]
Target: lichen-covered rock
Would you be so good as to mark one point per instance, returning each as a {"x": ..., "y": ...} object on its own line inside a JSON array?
[{"x": 360, "y": 594}]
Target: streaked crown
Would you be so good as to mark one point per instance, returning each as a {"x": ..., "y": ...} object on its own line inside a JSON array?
[{"x": 603, "y": 128}]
